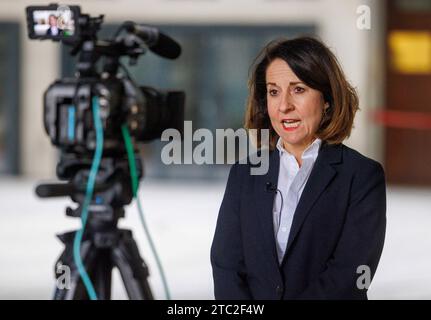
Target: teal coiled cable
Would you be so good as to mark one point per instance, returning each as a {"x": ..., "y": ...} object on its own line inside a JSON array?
[{"x": 87, "y": 200}]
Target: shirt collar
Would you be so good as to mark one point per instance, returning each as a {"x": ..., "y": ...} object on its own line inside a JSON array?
[{"x": 310, "y": 152}]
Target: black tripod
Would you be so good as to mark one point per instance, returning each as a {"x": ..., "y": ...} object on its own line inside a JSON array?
[{"x": 103, "y": 246}]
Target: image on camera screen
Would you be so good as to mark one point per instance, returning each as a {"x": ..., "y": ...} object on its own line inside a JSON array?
[{"x": 53, "y": 23}]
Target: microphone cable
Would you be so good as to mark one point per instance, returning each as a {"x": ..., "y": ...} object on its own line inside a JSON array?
[{"x": 270, "y": 187}]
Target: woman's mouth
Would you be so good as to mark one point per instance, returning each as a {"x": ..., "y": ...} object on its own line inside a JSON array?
[{"x": 290, "y": 124}]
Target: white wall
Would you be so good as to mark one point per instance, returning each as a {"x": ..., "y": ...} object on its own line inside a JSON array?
[{"x": 360, "y": 53}]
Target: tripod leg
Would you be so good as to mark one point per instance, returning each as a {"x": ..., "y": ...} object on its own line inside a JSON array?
[
  {"x": 69, "y": 286},
  {"x": 97, "y": 264},
  {"x": 133, "y": 270},
  {"x": 102, "y": 274}
]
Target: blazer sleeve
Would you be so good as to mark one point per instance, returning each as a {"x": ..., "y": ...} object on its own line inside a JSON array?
[
  {"x": 227, "y": 258},
  {"x": 361, "y": 241}
]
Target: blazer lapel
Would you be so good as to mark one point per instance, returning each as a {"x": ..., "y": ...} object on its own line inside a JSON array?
[
  {"x": 264, "y": 204},
  {"x": 321, "y": 175}
]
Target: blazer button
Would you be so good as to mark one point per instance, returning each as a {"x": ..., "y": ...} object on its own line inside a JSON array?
[{"x": 279, "y": 290}]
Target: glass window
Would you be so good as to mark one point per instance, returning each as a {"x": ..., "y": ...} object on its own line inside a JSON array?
[{"x": 9, "y": 85}]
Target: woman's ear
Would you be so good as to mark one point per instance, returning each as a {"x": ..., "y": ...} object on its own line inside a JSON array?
[{"x": 325, "y": 111}]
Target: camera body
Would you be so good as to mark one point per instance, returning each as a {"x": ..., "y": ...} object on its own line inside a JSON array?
[{"x": 68, "y": 116}]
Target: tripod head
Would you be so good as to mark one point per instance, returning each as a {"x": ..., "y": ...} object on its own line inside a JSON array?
[{"x": 112, "y": 188}]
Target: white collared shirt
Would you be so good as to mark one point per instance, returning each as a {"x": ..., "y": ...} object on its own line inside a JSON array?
[
  {"x": 54, "y": 31},
  {"x": 291, "y": 183}
]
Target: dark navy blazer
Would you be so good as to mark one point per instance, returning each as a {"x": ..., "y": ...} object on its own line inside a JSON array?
[{"x": 338, "y": 226}]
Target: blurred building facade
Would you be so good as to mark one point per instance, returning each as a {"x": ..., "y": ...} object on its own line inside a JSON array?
[
  {"x": 407, "y": 116},
  {"x": 220, "y": 39}
]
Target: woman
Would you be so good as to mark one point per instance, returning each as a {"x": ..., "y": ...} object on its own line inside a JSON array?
[{"x": 313, "y": 226}]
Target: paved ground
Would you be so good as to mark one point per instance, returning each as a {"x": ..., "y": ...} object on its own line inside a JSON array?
[{"x": 182, "y": 217}]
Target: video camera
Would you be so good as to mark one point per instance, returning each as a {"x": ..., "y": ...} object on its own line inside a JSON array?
[
  {"x": 67, "y": 102},
  {"x": 75, "y": 111}
]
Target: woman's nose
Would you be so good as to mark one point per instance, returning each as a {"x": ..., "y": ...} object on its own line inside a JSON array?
[{"x": 286, "y": 104}]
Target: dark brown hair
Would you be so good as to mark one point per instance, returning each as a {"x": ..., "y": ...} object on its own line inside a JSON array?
[{"x": 317, "y": 67}]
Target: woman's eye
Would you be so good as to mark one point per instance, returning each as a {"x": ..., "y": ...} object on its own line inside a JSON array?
[
  {"x": 299, "y": 89},
  {"x": 272, "y": 92}
]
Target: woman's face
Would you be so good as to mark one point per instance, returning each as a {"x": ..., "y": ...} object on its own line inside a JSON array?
[
  {"x": 295, "y": 110},
  {"x": 52, "y": 21}
]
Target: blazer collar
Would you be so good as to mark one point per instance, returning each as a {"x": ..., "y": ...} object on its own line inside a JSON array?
[{"x": 321, "y": 175}]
